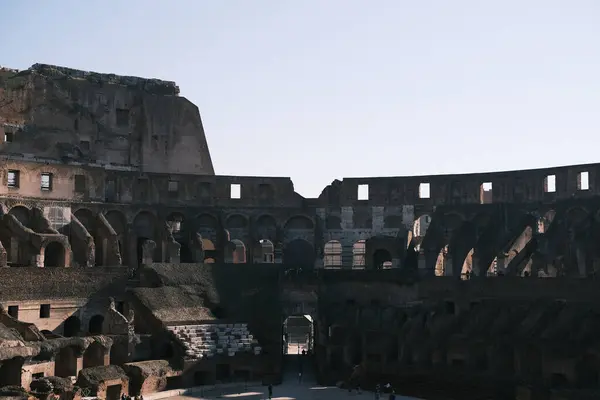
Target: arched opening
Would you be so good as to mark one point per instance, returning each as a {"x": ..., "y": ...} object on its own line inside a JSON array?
[
  {"x": 54, "y": 255},
  {"x": 235, "y": 252},
  {"x": 299, "y": 222},
  {"x": 10, "y": 372},
  {"x": 298, "y": 335},
  {"x": 22, "y": 214},
  {"x": 87, "y": 219},
  {"x": 66, "y": 362},
  {"x": 93, "y": 355},
  {"x": 332, "y": 254},
  {"x": 382, "y": 259},
  {"x": 266, "y": 227},
  {"x": 299, "y": 254},
  {"x": 207, "y": 226},
  {"x": 467, "y": 267},
  {"x": 359, "y": 250},
  {"x": 264, "y": 252},
  {"x": 440, "y": 262},
  {"x": 71, "y": 326},
  {"x": 95, "y": 325},
  {"x": 236, "y": 221}
]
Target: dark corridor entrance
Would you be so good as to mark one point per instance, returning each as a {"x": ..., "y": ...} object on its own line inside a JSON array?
[{"x": 298, "y": 348}]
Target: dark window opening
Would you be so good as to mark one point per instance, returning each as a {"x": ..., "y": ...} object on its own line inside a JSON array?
[
  {"x": 80, "y": 184},
  {"x": 46, "y": 181},
  {"x": 173, "y": 188},
  {"x": 8, "y": 137},
  {"x": 13, "y": 311},
  {"x": 13, "y": 178},
  {"x": 121, "y": 307},
  {"x": 45, "y": 311},
  {"x": 39, "y": 375},
  {"x": 110, "y": 190}
]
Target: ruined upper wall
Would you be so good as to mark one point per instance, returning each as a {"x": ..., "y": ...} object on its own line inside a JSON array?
[
  {"x": 525, "y": 186},
  {"x": 70, "y": 115}
]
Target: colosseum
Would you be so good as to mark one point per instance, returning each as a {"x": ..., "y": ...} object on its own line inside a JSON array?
[{"x": 129, "y": 267}]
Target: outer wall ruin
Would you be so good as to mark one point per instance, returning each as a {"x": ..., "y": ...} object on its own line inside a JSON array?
[{"x": 462, "y": 282}]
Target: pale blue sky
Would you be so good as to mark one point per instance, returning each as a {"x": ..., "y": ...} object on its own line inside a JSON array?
[{"x": 324, "y": 89}]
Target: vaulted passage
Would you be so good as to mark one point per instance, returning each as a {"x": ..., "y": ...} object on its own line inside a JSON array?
[{"x": 54, "y": 255}]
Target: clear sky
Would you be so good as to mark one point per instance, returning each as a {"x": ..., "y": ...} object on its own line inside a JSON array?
[{"x": 324, "y": 89}]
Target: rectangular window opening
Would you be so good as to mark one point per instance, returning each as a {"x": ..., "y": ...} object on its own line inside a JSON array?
[
  {"x": 46, "y": 181},
  {"x": 236, "y": 191},
  {"x": 173, "y": 186},
  {"x": 8, "y": 137},
  {"x": 363, "y": 192},
  {"x": 485, "y": 193},
  {"x": 550, "y": 184},
  {"x": 38, "y": 375},
  {"x": 45, "y": 311},
  {"x": 13, "y": 311},
  {"x": 424, "y": 190},
  {"x": 13, "y": 178},
  {"x": 583, "y": 181},
  {"x": 120, "y": 307}
]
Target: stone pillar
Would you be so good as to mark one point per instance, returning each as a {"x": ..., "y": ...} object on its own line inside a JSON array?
[
  {"x": 395, "y": 263},
  {"x": 318, "y": 263},
  {"x": 475, "y": 266},
  {"x": 501, "y": 264},
  {"x": 448, "y": 264},
  {"x": 148, "y": 252},
  {"x": 347, "y": 256},
  {"x": 14, "y": 250},
  {"x": 421, "y": 261},
  {"x": 581, "y": 264},
  {"x": 174, "y": 252},
  {"x": 133, "y": 250},
  {"x": 278, "y": 253}
]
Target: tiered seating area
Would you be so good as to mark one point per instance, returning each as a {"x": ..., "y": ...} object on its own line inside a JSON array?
[{"x": 207, "y": 340}]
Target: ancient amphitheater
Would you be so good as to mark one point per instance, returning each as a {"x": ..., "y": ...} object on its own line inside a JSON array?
[{"x": 130, "y": 267}]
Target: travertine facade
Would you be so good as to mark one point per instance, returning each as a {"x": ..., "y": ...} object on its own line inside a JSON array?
[{"x": 422, "y": 277}]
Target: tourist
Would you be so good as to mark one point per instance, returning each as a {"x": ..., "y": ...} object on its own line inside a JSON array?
[
  {"x": 377, "y": 391},
  {"x": 270, "y": 390},
  {"x": 393, "y": 395}
]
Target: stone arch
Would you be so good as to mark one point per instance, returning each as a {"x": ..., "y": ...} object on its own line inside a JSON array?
[
  {"x": 393, "y": 222},
  {"x": 299, "y": 253},
  {"x": 264, "y": 252},
  {"x": 359, "y": 251},
  {"x": 93, "y": 356},
  {"x": 576, "y": 215},
  {"x": 299, "y": 222},
  {"x": 266, "y": 227},
  {"x": 87, "y": 219},
  {"x": 333, "y": 222},
  {"x": 382, "y": 259},
  {"x": 54, "y": 255},
  {"x": 65, "y": 363},
  {"x": 71, "y": 326},
  {"x": 236, "y": 221},
  {"x": 235, "y": 252},
  {"x": 207, "y": 225},
  {"x": 95, "y": 324},
  {"x": 332, "y": 254},
  {"x": 22, "y": 214}
]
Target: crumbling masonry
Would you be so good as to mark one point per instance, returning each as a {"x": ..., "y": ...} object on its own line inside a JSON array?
[{"x": 479, "y": 281}]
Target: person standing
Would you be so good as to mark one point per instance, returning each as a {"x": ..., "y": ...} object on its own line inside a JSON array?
[{"x": 270, "y": 391}]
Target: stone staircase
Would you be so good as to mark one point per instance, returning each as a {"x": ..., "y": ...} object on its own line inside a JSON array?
[{"x": 208, "y": 340}]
